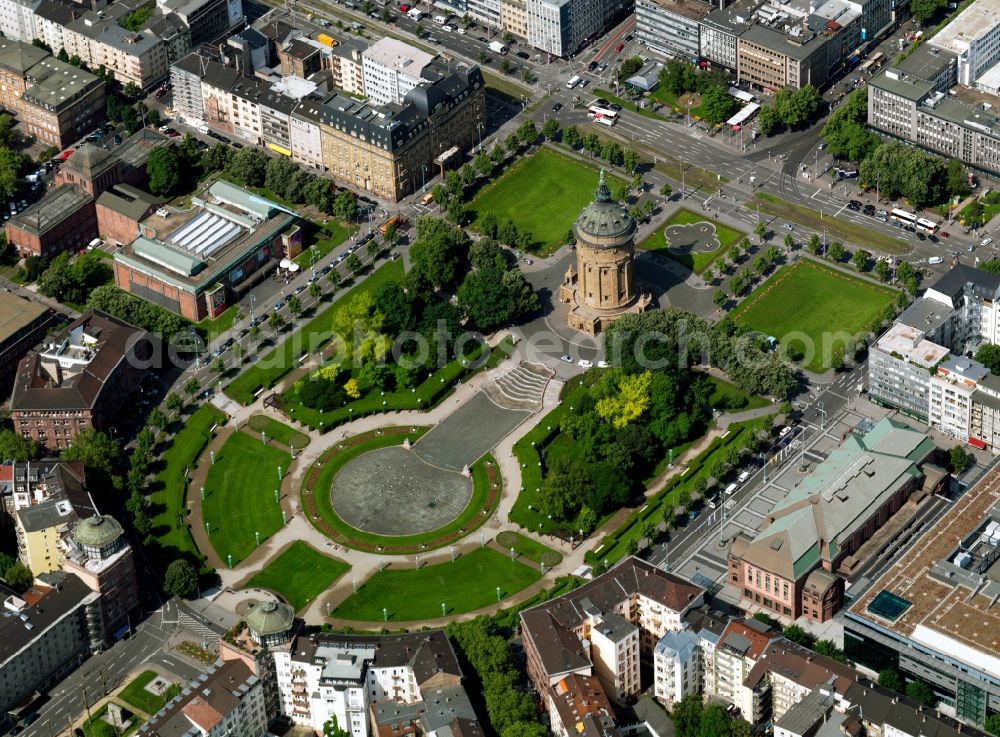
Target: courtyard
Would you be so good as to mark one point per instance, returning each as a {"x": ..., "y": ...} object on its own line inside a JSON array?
[
  {"x": 830, "y": 306},
  {"x": 542, "y": 194}
]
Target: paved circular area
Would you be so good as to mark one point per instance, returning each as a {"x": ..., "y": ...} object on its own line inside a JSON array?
[
  {"x": 692, "y": 238},
  {"x": 391, "y": 491}
]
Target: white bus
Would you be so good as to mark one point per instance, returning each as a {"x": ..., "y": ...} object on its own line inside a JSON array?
[
  {"x": 928, "y": 226},
  {"x": 603, "y": 114},
  {"x": 903, "y": 217}
]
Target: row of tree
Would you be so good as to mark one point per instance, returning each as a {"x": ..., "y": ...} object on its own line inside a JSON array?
[{"x": 896, "y": 170}]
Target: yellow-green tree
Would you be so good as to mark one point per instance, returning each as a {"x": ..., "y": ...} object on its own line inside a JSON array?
[
  {"x": 630, "y": 401},
  {"x": 358, "y": 329}
]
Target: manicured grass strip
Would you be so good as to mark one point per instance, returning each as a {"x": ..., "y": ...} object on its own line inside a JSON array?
[
  {"x": 838, "y": 230},
  {"x": 810, "y": 304},
  {"x": 409, "y": 594},
  {"x": 505, "y": 86},
  {"x": 299, "y": 574},
  {"x": 215, "y": 327},
  {"x": 172, "y": 537},
  {"x": 730, "y": 397},
  {"x": 330, "y": 235},
  {"x": 697, "y": 262},
  {"x": 557, "y": 188},
  {"x": 270, "y": 368},
  {"x": 487, "y": 485},
  {"x": 239, "y": 495},
  {"x": 278, "y": 431},
  {"x": 136, "y": 695},
  {"x": 525, "y": 547}
]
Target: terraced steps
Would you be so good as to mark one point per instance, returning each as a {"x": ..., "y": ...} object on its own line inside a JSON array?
[{"x": 520, "y": 388}]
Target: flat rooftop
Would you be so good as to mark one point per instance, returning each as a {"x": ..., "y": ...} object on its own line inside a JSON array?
[
  {"x": 57, "y": 205},
  {"x": 398, "y": 55},
  {"x": 911, "y": 345},
  {"x": 975, "y": 22},
  {"x": 950, "y": 618},
  {"x": 16, "y": 313},
  {"x": 57, "y": 83},
  {"x": 694, "y": 9}
]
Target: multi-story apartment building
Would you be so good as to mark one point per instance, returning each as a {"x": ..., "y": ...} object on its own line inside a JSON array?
[
  {"x": 974, "y": 38},
  {"x": 78, "y": 378},
  {"x": 625, "y": 611},
  {"x": 368, "y": 681},
  {"x": 900, "y": 363},
  {"x": 740, "y": 648},
  {"x": 229, "y": 700},
  {"x": 346, "y": 65},
  {"x": 514, "y": 17},
  {"x": 562, "y": 27},
  {"x": 22, "y": 325},
  {"x": 50, "y": 498},
  {"x": 578, "y": 707},
  {"x": 916, "y": 102},
  {"x": 791, "y": 672},
  {"x": 208, "y": 20},
  {"x": 55, "y": 102},
  {"x": 677, "y": 667},
  {"x": 17, "y": 19},
  {"x": 391, "y": 69},
  {"x": 789, "y": 566},
  {"x": 97, "y": 553},
  {"x": 671, "y": 26},
  {"x": 45, "y": 633}
]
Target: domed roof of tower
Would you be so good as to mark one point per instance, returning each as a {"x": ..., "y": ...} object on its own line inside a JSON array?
[
  {"x": 604, "y": 218},
  {"x": 97, "y": 531},
  {"x": 270, "y": 617}
]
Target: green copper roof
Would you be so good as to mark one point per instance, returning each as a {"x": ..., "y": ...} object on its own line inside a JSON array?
[
  {"x": 97, "y": 531},
  {"x": 604, "y": 218},
  {"x": 270, "y": 617}
]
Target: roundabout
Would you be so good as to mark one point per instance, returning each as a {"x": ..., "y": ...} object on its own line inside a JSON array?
[{"x": 391, "y": 491}]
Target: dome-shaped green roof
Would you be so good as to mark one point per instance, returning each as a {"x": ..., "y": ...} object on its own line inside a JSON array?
[
  {"x": 270, "y": 617},
  {"x": 97, "y": 531},
  {"x": 604, "y": 218}
]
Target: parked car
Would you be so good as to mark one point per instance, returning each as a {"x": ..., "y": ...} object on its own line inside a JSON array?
[
  {"x": 523, "y": 55},
  {"x": 945, "y": 234},
  {"x": 986, "y": 241},
  {"x": 279, "y": 304},
  {"x": 784, "y": 431},
  {"x": 527, "y": 260},
  {"x": 567, "y": 358},
  {"x": 744, "y": 475},
  {"x": 584, "y": 363},
  {"x": 603, "y": 364}
]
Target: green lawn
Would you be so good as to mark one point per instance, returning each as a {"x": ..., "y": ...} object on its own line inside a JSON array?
[
  {"x": 316, "y": 499},
  {"x": 837, "y": 229},
  {"x": 809, "y": 304},
  {"x": 272, "y": 366},
  {"x": 299, "y": 574},
  {"x": 730, "y": 397},
  {"x": 97, "y": 727},
  {"x": 409, "y": 594},
  {"x": 173, "y": 540},
  {"x": 213, "y": 328},
  {"x": 331, "y": 234},
  {"x": 136, "y": 695},
  {"x": 239, "y": 495},
  {"x": 525, "y": 547},
  {"x": 543, "y": 194},
  {"x": 278, "y": 431},
  {"x": 697, "y": 262}
]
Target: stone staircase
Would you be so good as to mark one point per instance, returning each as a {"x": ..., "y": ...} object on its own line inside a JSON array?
[{"x": 521, "y": 388}]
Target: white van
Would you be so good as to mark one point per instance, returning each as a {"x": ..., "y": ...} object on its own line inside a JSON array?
[
  {"x": 729, "y": 490},
  {"x": 203, "y": 129},
  {"x": 934, "y": 260},
  {"x": 744, "y": 475},
  {"x": 415, "y": 13},
  {"x": 440, "y": 19},
  {"x": 573, "y": 82}
]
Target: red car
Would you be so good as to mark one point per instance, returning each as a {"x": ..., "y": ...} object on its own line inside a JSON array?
[
  {"x": 403, "y": 8},
  {"x": 619, "y": 47},
  {"x": 945, "y": 234}
]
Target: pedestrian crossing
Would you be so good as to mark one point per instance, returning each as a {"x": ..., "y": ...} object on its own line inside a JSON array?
[{"x": 188, "y": 622}]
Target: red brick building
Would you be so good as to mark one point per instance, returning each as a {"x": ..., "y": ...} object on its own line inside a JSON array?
[
  {"x": 120, "y": 210},
  {"x": 64, "y": 219},
  {"x": 96, "y": 169},
  {"x": 22, "y": 325},
  {"x": 791, "y": 566},
  {"x": 78, "y": 378}
]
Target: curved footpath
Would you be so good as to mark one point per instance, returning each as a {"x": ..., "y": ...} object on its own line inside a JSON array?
[{"x": 364, "y": 565}]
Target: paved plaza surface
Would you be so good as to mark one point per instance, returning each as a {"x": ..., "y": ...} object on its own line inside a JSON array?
[
  {"x": 468, "y": 433},
  {"x": 390, "y": 491},
  {"x": 692, "y": 238}
]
